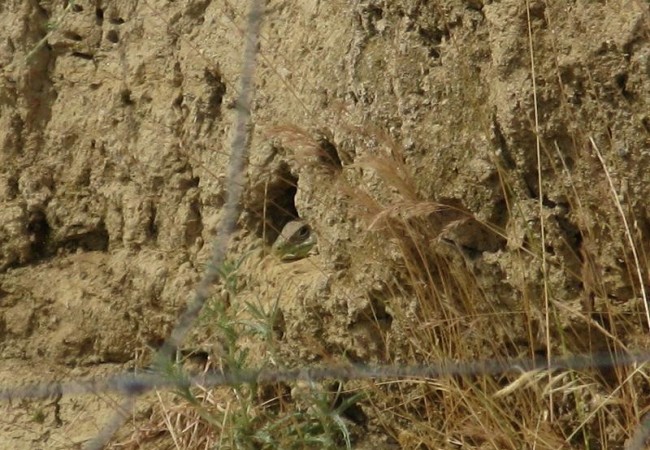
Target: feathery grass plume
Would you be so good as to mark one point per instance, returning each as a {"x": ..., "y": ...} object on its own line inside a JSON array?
[{"x": 309, "y": 148}]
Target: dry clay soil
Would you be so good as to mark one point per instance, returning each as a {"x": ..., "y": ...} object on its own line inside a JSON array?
[{"x": 114, "y": 141}]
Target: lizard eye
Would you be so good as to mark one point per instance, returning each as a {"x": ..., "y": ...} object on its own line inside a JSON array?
[{"x": 304, "y": 231}]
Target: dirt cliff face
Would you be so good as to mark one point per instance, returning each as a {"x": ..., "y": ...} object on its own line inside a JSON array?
[{"x": 475, "y": 171}]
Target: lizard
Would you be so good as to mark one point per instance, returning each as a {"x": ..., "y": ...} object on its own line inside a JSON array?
[{"x": 295, "y": 241}]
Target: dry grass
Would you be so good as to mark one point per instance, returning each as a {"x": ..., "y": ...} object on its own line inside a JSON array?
[{"x": 440, "y": 310}]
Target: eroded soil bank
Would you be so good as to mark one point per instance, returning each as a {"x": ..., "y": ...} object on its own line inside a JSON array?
[{"x": 475, "y": 172}]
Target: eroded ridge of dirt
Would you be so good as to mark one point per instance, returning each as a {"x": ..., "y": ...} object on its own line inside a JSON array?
[{"x": 406, "y": 133}]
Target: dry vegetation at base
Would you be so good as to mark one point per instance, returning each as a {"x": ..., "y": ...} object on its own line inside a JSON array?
[{"x": 474, "y": 172}]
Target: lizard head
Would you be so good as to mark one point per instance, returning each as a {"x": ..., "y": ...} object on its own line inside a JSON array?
[{"x": 295, "y": 241}]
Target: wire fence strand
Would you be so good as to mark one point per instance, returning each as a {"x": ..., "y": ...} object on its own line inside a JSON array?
[{"x": 230, "y": 215}]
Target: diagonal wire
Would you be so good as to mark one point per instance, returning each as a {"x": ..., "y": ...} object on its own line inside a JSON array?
[
  {"x": 121, "y": 415},
  {"x": 640, "y": 437},
  {"x": 235, "y": 186}
]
